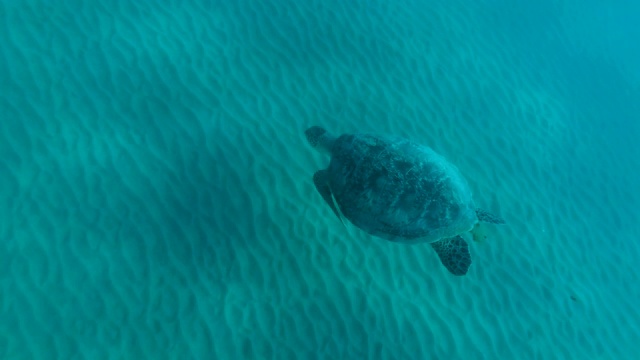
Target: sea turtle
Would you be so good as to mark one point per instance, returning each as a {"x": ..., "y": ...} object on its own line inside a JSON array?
[{"x": 400, "y": 191}]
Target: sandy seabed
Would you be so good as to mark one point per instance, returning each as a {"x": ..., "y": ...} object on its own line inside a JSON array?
[{"x": 156, "y": 198}]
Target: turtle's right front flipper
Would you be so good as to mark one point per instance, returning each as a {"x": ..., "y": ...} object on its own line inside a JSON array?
[
  {"x": 321, "y": 182},
  {"x": 454, "y": 254}
]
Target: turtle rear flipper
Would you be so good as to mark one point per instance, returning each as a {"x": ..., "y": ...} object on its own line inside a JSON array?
[
  {"x": 488, "y": 217},
  {"x": 454, "y": 254},
  {"x": 322, "y": 185}
]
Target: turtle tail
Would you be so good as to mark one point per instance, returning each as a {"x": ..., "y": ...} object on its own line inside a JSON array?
[
  {"x": 319, "y": 138},
  {"x": 488, "y": 217}
]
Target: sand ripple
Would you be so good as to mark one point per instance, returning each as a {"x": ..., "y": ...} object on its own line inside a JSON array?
[{"x": 157, "y": 201}]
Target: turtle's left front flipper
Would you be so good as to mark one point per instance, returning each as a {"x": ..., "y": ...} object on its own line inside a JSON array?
[
  {"x": 321, "y": 182},
  {"x": 454, "y": 254}
]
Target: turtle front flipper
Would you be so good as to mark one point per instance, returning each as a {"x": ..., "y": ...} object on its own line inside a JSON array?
[
  {"x": 454, "y": 254},
  {"x": 322, "y": 185}
]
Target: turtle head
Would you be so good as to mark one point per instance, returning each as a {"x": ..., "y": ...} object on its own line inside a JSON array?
[{"x": 319, "y": 138}]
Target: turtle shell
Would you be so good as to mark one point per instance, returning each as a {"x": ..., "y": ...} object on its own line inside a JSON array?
[{"x": 399, "y": 190}]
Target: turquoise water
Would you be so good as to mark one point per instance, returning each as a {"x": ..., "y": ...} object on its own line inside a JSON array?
[{"x": 156, "y": 194}]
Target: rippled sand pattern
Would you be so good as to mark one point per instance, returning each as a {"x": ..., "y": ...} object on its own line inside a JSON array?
[{"x": 156, "y": 197}]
